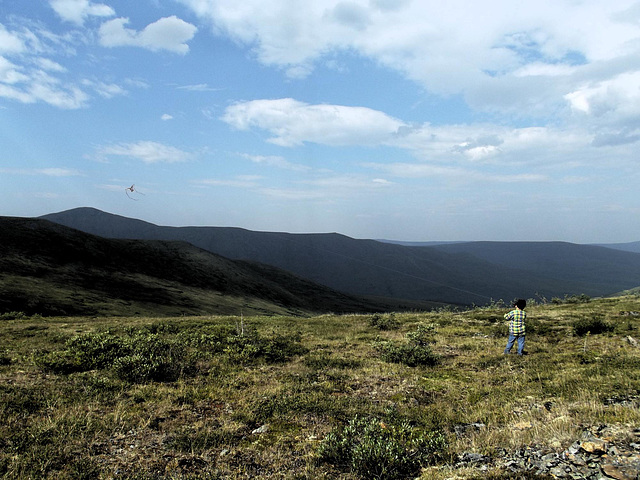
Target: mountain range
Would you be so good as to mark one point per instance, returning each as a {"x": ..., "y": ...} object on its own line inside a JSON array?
[
  {"x": 461, "y": 273},
  {"x": 50, "y": 269}
]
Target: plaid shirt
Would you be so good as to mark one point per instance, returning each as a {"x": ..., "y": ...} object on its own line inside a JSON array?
[{"x": 516, "y": 322}]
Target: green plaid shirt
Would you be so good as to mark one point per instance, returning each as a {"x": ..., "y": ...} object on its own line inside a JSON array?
[{"x": 516, "y": 322}]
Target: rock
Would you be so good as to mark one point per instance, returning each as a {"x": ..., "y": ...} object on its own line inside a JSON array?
[
  {"x": 604, "y": 452},
  {"x": 523, "y": 425},
  {"x": 467, "y": 428},
  {"x": 263, "y": 429},
  {"x": 595, "y": 446},
  {"x": 469, "y": 457},
  {"x": 614, "y": 472},
  {"x": 622, "y": 467}
]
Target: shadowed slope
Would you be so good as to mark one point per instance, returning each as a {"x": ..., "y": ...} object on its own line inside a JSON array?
[
  {"x": 373, "y": 268},
  {"x": 49, "y": 269}
]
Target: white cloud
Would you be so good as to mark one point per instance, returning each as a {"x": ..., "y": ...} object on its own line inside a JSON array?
[
  {"x": 517, "y": 57},
  {"x": 40, "y": 87},
  {"x": 292, "y": 122},
  {"x": 329, "y": 187},
  {"x": 619, "y": 95},
  {"x": 31, "y": 78},
  {"x": 347, "y": 183},
  {"x": 59, "y": 172},
  {"x": 169, "y": 33},
  {"x": 49, "y": 172},
  {"x": 241, "y": 181},
  {"x": 50, "y": 65},
  {"x": 105, "y": 90},
  {"x": 10, "y": 42},
  {"x": 10, "y": 73},
  {"x": 146, "y": 151},
  {"x": 295, "y": 194},
  {"x": 200, "y": 87},
  {"x": 77, "y": 11},
  {"x": 166, "y": 116},
  {"x": 274, "y": 161},
  {"x": 457, "y": 174}
]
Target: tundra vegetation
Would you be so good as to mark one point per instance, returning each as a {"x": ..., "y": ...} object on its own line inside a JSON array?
[{"x": 330, "y": 396}]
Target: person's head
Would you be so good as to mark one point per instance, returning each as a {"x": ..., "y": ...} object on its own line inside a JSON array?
[{"x": 520, "y": 303}]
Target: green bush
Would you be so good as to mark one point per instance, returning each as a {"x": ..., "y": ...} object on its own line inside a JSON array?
[
  {"x": 63, "y": 362},
  {"x": 582, "y": 298},
  {"x": 408, "y": 354},
  {"x": 97, "y": 350},
  {"x": 423, "y": 335},
  {"x": 142, "y": 357},
  {"x": 147, "y": 356},
  {"x": 370, "y": 448},
  {"x": 414, "y": 352},
  {"x": 153, "y": 358},
  {"x": 89, "y": 351},
  {"x": 249, "y": 346},
  {"x": 593, "y": 326},
  {"x": 384, "y": 321},
  {"x": 13, "y": 316}
]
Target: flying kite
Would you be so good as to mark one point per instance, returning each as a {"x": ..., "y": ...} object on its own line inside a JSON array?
[{"x": 132, "y": 190}]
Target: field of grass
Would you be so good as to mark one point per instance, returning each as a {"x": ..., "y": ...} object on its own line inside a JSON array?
[{"x": 356, "y": 396}]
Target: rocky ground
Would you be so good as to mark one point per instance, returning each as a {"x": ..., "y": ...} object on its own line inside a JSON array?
[{"x": 603, "y": 452}]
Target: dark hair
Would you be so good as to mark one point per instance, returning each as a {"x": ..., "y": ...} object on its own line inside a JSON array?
[{"x": 520, "y": 303}]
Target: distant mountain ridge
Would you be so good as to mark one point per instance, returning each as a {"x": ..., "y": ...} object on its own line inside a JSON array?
[
  {"x": 625, "y": 247},
  {"x": 51, "y": 269},
  {"x": 457, "y": 273}
]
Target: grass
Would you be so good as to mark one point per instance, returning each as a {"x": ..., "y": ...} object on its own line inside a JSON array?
[{"x": 285, "y": 397}]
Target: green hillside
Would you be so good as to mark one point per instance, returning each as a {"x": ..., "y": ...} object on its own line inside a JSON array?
[{"x": 413, "y": 395}]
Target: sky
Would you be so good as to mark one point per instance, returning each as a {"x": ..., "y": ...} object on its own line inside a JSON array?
[{"x": 413, "y": 120}]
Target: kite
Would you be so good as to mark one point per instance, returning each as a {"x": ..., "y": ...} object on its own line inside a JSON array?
[{"x": 132, "y": 190}]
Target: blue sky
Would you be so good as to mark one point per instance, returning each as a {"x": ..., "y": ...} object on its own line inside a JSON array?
[{"x": 397, "y": 119}]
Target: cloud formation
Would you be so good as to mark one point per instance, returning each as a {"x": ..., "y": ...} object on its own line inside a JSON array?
[
  {"x": 170, "y": 33},
  {"x": 146, "y": 151},
  {"x": 32, "y": 58},
  {"x": 292, "y": 122},
  {"x": 77, "y": 11},
  {"x": 532, "y": 59}
]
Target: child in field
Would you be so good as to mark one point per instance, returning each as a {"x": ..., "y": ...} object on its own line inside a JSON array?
[{"x": 516, "y": 319}]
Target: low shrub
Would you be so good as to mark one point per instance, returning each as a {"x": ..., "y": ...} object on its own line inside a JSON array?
[
  {"x": 582, "y": 298},
  {"x": 593, "y": 326},
  {"x": 248, "y": 347},
  {"x": 370, "y": 448},
  {"x": 13, "y": 316},
  {"x": 97, "y": 350},
  {"x": 416, "y": 351},
  {"x": 62, "y": 362},
  {"x": 146, "y": 356},
  {"x": 153, "y": 359},
  {"x": 139, "y": 358},
  {"x": 407, "y": 353},
  {"x": 384, "y": 321}
]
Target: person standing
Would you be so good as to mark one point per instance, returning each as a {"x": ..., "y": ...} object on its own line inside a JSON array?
[{"x": 516, "y": 318}]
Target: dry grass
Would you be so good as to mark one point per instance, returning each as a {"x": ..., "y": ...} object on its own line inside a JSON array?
[{"x": 235, "y": 418}]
